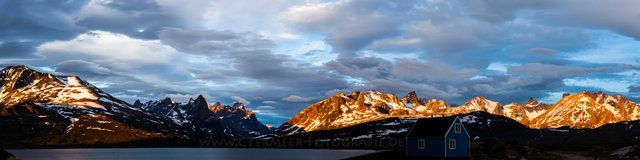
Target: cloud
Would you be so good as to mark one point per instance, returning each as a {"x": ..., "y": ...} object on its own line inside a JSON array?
[
  {"x": 295, "y": 98},
  {"x": 265, "y": 107},
  {"x": 589, "y": 14},
  {"x": 500, "y": 11},
  {"x": 350, "y": 25},
  {"x": 14, "y": 49},
  {"x": 542, "y": 51},
  {"x": 251, "y": 15},
  {"x": 488, "y": 89},
  {"x": 37, "y": 21},
  {"x": 634, "y": 88},
  {"x": 241, "y": 100},
  {"x": 264, "y": 51},
  {"x": 139, "y": 18},
  {"x": 117, "y": 63},
  {"x": 212, "y": 42},
  {"x": 80, "y": 67},
  {"x": 269, "y": 102},
  {"x": 367, "y": 67},
  {"x": 544, "y": 76},
  {"x": 117, "y": 50},
  {"x": 596, "y": 14},
  {"x": 246, "y": 59},
  {"x": 411, "y": 70}
]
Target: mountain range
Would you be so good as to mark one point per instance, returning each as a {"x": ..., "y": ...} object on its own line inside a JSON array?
[
  {"x": 44, "y": 109},
  {"x": 233, "y": 121},
  {"x": 578, "y": 111}
]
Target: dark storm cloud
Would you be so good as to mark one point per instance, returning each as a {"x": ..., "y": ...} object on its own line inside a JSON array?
[{"x": 13, "y": 49}]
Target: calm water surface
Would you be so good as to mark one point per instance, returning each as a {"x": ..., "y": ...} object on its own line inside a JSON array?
[{"x": 184, "y": 153}]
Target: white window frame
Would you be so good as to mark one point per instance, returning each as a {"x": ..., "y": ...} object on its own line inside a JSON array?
[
  {"x": 452, "y": 144},
  {"x": 458, "y": 128},
  {"x": 421, "y": 144}
]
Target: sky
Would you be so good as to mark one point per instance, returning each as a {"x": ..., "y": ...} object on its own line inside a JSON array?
[{"x": 280, "y": 56}]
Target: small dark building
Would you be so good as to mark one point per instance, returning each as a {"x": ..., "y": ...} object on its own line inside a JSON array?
[{"x": 443, "y": 137}]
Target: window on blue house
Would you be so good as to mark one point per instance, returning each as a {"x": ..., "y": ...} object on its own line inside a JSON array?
[
  {"x": 420, "y": 143},
  {"x": 458, "y": 128},
  {"x": 452, "y": 144}
]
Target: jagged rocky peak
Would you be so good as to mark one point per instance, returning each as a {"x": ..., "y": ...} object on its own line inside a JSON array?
[
  {"x": 354, "y": 94},
  {"x": 166, "y": 100},
  {"x": 387, "y": 97},
  {"x": 410, "y": 96},
  {"x": 17, "y": 77},
  {"x": 137, "y": 103},
  {"x": 479, "y": 97},
  {"x": 14, "y": 69},
  {"x": 200, "y": 100},
  {"x": 531, "y": 100},
  {"x": 413, "y": 98},
  {"x": 216, "y": 107},
  {"x": 238, "y": 105}
]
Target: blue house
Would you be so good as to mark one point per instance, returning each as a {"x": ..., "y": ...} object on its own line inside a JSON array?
[{"x": 443, "y": 137}]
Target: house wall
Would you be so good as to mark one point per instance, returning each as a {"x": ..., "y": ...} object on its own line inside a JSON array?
[
  {"x": 462, "y": 142},
  {"x": 433, "y": 147}
]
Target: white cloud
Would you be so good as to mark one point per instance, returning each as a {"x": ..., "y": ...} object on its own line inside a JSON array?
[
  {"x": 241, "y": 100},
  {"x": 269, "y": 102},
  {"x": 500, "y": 66},
  {"x": 294, "y": 98},
  {"x": 118, "y": 50},
  {"x": 265, "y": 107}
]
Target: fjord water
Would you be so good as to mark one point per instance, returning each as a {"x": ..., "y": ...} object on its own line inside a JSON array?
[{"x": 184, "y": 153}]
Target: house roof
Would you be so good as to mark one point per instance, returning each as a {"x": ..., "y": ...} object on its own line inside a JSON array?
[{"x": 431, "y": 127}]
